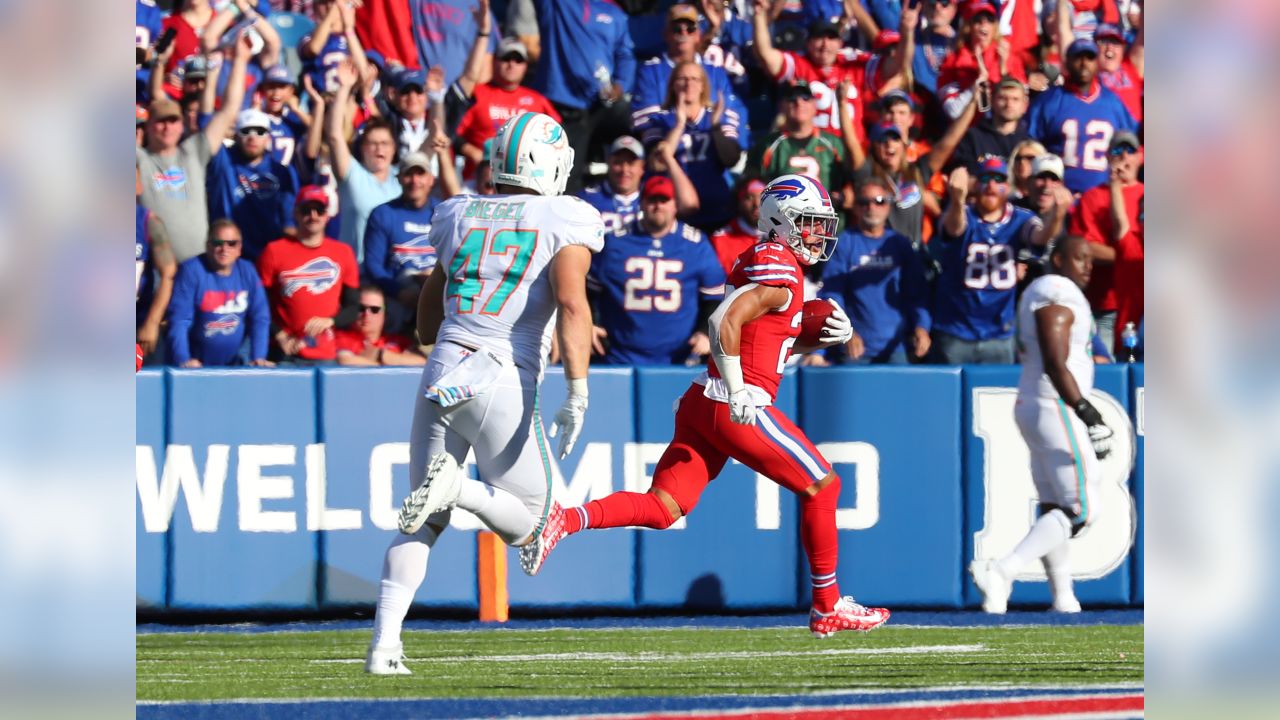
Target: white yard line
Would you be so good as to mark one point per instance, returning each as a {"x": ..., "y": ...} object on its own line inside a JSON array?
[{"x": 648, "y": 657}]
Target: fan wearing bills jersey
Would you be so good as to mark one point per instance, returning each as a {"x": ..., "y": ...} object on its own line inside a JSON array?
[
  {"x": 728, "y": 411},
  {"x": 1063, "y": 430},
  {"x": 509, "y": 265}
]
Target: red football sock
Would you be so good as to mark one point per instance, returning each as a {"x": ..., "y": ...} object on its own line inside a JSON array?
[
  {"x": 821, "y": 544},
  {"x": 621, "y": 509}
]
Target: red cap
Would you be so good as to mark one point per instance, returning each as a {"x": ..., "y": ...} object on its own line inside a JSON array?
[
  {"x": 885, "y": 39},
  {"x": 658, "y": 185},
  {"x": 974, "y": 8},
  {"x": 313, "y": 194}
]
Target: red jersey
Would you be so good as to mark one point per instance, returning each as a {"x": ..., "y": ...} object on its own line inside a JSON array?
[
  {"x": 1092, "y": 220},
  {"x": 960, "y": 70},
  {"x": 304, "y": 282},
  {"x": 352, "y": 340},
  {"x": 493, "y": 107},
  {"x": 1128, "y": 280},
  {"x": 1126, "y": 83},
  {"x": 732, "y": 240},
  {"x": 767, "y": 340},
  {"x": 850, "y": 65}
]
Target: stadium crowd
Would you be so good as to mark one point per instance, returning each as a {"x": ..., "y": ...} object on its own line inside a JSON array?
[{"x": 290, "y": 155}]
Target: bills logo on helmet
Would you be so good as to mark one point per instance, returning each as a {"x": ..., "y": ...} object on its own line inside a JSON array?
[
  {"x": 792, "y": 186},
  {"x": 317, "y": 276},
  {"x": 415, "y": 256},
  {"x": 224, "y": 325}
]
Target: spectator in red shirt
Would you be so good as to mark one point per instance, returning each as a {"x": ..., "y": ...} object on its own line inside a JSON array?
[
  {"x": 1120, "y": 70},
  {"x": 1094, "y": 219},
  {"x": 188, "y": 23},
  {"x": 364, "y": 342},
  {"x": 959, "y": 71},
  {"x": 497, "y": 101},
  {"x": 733, "y": 239},
  {"x": 313, "y": 283}
]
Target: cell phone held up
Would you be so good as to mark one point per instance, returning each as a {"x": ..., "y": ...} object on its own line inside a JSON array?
[{"x": 166, "y": 39}]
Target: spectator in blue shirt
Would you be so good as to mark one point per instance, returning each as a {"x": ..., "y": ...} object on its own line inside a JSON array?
[
  {"x": 398, "y": 256},
  {"x": 587, "y": 66},
  {"x": 215, "y": 296},
  {"x": 876, "y": 276},
  {"x": 617, "y": 197},
  {"x": 247, "y": 185},
  {"x": 445, "y": 32}
]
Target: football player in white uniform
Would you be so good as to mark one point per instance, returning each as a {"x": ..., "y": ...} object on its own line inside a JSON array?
[
  {"x": 1055, "y": 325},
  {"x": 509, "y": 264}
]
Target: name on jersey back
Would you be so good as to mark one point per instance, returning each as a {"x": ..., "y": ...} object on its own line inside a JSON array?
[{"x": 494, "y": 210}]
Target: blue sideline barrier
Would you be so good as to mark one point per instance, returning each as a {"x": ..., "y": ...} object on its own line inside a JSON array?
[{"x": 278, "y": 489}]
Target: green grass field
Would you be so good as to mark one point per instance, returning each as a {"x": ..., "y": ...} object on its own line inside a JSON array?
[{"x": 632, "y": 661}]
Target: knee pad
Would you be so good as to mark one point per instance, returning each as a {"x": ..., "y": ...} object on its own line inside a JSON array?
[{"x": 1075, "y": 520}]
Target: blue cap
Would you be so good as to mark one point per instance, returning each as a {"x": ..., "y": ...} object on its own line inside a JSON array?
[
  {"x": 376, "y": 58},
  {"x": 1082, "y": 45},
  {"x": 277, "y": 75},
  {"x": 993, "y": 166},
  {"x": 894, "y": 96},
  {"x": 884, "y": 131},
  {"x": 411, "y": 77}
]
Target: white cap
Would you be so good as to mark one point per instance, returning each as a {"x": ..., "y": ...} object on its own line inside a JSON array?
[
  {"x": 415, "y": 159},
  {"x": 628, "y": 143},
  {"x": 1048, "y": 163},
  {"x": 253, "y": 119}
]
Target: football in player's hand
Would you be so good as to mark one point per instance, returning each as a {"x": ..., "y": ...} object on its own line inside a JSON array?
[{"x": 815, "y": 316}]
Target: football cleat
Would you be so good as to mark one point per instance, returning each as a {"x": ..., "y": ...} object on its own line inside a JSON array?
[
  {"x": 533, "y": 555},
  {"x": 846, "y": 615},
  {"x": 1068, "y": 605},
  {"x": 995, "y": 587},
  {"x": 386, "y": 661},
  {"x": 439, "y": 491}
]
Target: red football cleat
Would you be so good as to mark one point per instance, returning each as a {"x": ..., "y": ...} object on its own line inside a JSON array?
[
  {"x": 137, "y": 351},
  {"x": 533, "y": 555},
  {"x": 847, "y": 615}
]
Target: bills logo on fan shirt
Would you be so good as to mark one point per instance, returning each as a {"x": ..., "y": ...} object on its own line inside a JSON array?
[
  {"x": 224, "y": 302},
  {"x": 414, "y": 256},
  {"x": 224, "y": 325},
  {"x": 173, "y": 180},
  {"x": 317, "y": 276},
  {"x": 908, "y": 195}
]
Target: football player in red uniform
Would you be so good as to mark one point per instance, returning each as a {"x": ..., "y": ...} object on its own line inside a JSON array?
[{"x": 728, "y": 412}]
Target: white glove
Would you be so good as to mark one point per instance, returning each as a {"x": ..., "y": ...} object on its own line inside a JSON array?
[
  {"x": 837, "y": 329},
  {"x": 742, "y": 409},
  {"x": 569, "y": 418},
  {"x": 1100, "y": 436}
]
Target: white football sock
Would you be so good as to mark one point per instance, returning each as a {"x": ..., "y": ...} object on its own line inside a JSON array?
[
  {"x": 1057, "y": 565},
  {"x": 1049, "y": 531},
  {"x": 504, "y": 513},
  {"x": 403, "y": 570}
]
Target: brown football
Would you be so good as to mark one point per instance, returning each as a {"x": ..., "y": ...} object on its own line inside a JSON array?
[{"x": 814, "y": 317}]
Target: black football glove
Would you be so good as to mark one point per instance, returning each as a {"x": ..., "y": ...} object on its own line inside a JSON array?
[{"x": 1099, "y": 434}]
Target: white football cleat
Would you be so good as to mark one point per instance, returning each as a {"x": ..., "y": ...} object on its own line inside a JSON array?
[
  {"x": 846, "y": 615},
  {"x": 1066, "y": 605},
  {"x": 439, "y": 491},
  {"x": 386, "y": 661},
  {"x": 994, "y": 585}
]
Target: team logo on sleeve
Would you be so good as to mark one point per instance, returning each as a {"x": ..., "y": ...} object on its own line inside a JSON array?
[{"x": 317, "y": 276}]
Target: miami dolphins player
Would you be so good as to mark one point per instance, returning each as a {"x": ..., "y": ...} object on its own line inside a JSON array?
[{"x": 508, "y": 264}]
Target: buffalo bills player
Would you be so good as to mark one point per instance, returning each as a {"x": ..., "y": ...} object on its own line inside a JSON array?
[
  {"x": 1077, "y": 119},
  {"x": 313, "y": 282},
  {"x": 218, "y": 301},
  {"x": 656, "y": 285},
  {"x": 978, "y": 249},
  {"x": 728, "y": 411},
  {"x": 617, "y": 197}
]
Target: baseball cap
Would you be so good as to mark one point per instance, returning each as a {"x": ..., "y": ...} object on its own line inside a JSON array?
[
  {"x": 896, "y": 96},
  {"x": 410, "y": 78},
  {"x": 163, "y": 109},
  {"x": 1048, "y": 163},
  {"x": 511, "y": 45},
  {"x": 682, "y": 11},
  {"x": 629, "y": 144},
  {"x": 660, "y": 186},
  {"x": 884, "y": 131},
  {"x": 376, "y": 58},
  {"x": 140, "y": 115},
  {"x": 1122, "y": 138},
  {"x": 415, "y": 160},
  {"x": 975, "y": 9},
  {"x": 252, "y": 119},
  {"x": 194, "y": 68},
  {"x": 886, "y": 39},
  {"x": 312, "y": 194},
  {"x": 993, "y": 166},
  {"x": 799, "y": 87},
  {"x": 1082, "y": 45},
  {"x": 277, "y": 75},
  {"x": 1108, "y": 31},
  {"x": 1009, "y": 81},
  {"x": 824, "y": 28}
]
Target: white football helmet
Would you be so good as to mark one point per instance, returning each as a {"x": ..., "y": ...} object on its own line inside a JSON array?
[
  {"x": 532, "y": 151},
  {"x": 794, "y": 208}
]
